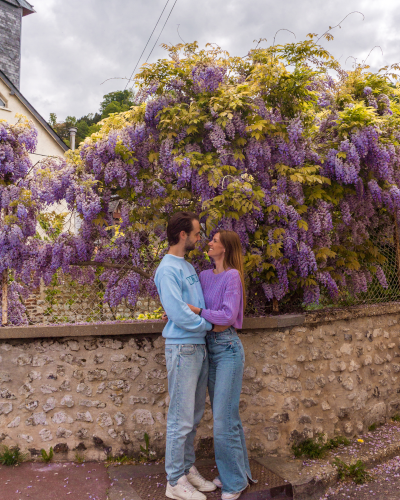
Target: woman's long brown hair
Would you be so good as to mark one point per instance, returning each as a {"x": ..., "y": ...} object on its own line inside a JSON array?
[{"x": 233, "y": 255}]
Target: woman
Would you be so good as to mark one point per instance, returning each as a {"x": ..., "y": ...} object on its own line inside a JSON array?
[{"x": 224, "y": 296}]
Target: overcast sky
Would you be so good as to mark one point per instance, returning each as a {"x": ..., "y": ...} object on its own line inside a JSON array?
[{"x": 70, "y": 47}]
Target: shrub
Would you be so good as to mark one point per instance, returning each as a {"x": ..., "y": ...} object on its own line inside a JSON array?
[
  {"x": 318, "y": 447},
  {"x": 295, "y": 154},
  {"x": 11, "y": 456}
]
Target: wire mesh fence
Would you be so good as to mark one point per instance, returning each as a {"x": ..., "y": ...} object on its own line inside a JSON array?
[{"x": 72, "y": 299}]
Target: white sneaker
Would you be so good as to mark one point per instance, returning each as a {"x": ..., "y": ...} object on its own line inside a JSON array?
[
  {"x": 194, "y": 477},
  {"x": 232, "y": 496},
  {"x": 217, "y": 482},
  {"x": 183, "y": 490}
]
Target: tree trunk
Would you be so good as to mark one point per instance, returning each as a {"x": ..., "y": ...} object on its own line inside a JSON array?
[
  {"x": 397, "y": 243},
  {"x": 4, "y": 298},
  {"x": 275, "y": 305}
]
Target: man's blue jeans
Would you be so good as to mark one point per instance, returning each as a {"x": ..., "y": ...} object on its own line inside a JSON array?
[
  {"x": 226, "y": 356},
  {"x": 187, "y": 366}
]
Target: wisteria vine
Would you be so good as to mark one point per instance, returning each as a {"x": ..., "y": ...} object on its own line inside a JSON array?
[{"x": 298, "y": 156}]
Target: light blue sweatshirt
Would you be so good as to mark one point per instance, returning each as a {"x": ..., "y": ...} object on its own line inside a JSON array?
[{"x": 178, "y": 285}]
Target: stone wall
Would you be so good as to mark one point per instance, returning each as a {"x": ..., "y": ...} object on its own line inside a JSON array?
[{"x": 98, "y": 395}]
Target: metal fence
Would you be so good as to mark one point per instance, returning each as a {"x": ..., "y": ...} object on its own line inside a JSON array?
[{"x": 69, "y": 300}]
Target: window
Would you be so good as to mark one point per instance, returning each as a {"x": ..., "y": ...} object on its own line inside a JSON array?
[{"x": 2, "y": 103}]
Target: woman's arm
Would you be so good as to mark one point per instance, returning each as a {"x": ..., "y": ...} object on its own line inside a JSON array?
[{"x": 231, "y": 303}]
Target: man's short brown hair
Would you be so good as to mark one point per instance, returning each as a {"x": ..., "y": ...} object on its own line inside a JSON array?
[{"x": 181, "y": 221}]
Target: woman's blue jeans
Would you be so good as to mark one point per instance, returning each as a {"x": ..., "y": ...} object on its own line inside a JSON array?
[{"x": 226, "y": 363}]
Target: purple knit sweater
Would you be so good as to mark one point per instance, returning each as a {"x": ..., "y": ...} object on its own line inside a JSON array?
[{"x": 223, "y": 297}]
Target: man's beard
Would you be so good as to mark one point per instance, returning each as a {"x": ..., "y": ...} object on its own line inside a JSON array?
[{"x": 189, "y": 246}]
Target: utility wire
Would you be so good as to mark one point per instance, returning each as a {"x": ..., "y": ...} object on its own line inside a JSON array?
[
  {"x": 170, "y": 12},
  {"x": 133, "y": 72}
]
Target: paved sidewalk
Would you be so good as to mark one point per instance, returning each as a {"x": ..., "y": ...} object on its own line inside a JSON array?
[
  {"x": 148, "y": 482},
  {"x": 54, "y": 481},
  {"x": 95, "y": 481},
  {"x": 385, "y": 485}
]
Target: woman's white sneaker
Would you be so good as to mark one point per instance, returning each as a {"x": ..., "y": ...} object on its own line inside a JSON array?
[
  {"x": 217, "y": 482},
  {"x": 184, "y": 490},
  {"x": 199, "y": 482},
  {"x": 230, "y": 496}
]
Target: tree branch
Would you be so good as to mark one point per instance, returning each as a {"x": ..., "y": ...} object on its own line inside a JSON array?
[
  {"x": 114, "y": 266},
  {"x": 333, "y": 27}
]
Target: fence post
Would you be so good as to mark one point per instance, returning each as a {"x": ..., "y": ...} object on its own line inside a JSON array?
[
  {"x": 4, "y": 298},
  {"x": 397, "y": 243}
]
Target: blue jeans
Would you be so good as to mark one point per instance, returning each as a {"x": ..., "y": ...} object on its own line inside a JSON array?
[
  {"x": 187, "y": 366},
  {"x": 226, "y": 356}
]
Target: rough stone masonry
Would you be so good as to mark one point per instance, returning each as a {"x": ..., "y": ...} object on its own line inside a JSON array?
[
  {"x": 10, "y": 41},
  {"x": 98, "y": 395}
]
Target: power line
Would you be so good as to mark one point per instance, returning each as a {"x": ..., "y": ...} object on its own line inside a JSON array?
[
  {"x": 133, "y": 72},
  {"x": 170, "y": 12}
]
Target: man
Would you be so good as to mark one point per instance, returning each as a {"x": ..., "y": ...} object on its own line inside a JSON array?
[{"x": 186, "y": 357}]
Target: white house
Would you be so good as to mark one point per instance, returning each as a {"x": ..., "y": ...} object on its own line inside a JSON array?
[{"x": 12, "y": 101}]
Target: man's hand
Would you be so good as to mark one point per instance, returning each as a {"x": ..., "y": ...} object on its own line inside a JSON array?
[
  {"x": 194, "y": 309},
  {"x": 164, "y": 317},
  {"x": 219, "y": 328}
]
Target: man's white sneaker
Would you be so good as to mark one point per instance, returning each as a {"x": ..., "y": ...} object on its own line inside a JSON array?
[
  {"x": 217, "y": 482},
  {"x": 183, "y": 490},
  {"x": 199, "y": 482}
]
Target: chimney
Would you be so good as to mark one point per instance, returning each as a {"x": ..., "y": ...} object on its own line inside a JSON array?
[{"x": 72, "y": 134}]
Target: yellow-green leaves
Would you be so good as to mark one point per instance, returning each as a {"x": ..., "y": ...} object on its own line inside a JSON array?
[
  {"x": 237, "y": 199},
  {"x": 304, "y": 175},
  {"x": 355, "y": 117}
]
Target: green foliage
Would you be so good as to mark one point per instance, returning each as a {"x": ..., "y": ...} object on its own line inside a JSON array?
[
  {"x": 356, "y": 471},
  {"x": 373, "y": 427},
  {"x": 11, "y": 456},
  {"x": 52, "y": 224},
  {"x": 396, "y": 418},
  {"x": 114, "y": 102},
  {"x": 47, "y": 457},
  {"x": 157, "y": 314},
  {"x": 120, "y": 460},
  {"x": 317, "y": 448},
  {"x": 79, "y": 457},
  {"x": 122, "y": 99},
  {"x": 336, "y": 442},
  {"x": 145, "y": 451}
]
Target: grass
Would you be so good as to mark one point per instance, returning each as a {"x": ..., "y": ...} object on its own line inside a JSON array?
[
  {"x": 356, "y": 471},
  {"x": 47, "y": 457},
  {"x": 317, "y": 448},
  {"x": 11, "y": 456},
  {"x": 123, "y": 459},
  {"x": 79, "y": 458}
]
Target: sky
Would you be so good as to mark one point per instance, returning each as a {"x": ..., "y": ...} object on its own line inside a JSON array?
[{"x": 75, "y": 51}]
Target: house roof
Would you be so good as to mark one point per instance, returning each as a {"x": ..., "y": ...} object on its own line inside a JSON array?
[
  {"x": 14, "y": 91},
  {"x": 27, "y": 8}
]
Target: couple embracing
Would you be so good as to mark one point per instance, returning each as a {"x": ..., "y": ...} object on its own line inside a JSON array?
[{"x": 202, "y": 349}]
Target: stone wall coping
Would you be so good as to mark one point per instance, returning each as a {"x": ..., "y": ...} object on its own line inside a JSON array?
[{"x": 156, "y": 326}]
